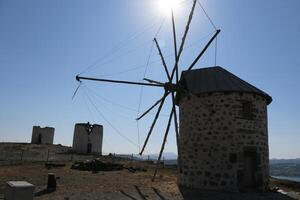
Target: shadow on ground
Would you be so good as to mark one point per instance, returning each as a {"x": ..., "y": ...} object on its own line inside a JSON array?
[
  {"x": 191, "y": 194},
  {"x": 43, "y": 192}
]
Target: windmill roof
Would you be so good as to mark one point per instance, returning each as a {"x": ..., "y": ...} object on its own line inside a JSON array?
[{"x": 218, "y": 79}]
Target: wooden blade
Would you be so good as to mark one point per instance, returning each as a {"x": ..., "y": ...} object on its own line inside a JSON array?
[
  {"x": 183, "y": 38},
  {"x": 156, "y": 103},
  {"x": 152, "y": 81},
  {"x": 78, "y": 78},
  {"x": 177, "y": 133},
  {"x": 162, "y": 59},
  {"x": 153, "y": 123},
  {"x": 175, "y": 44},
  {"x": 202, "y": 52},
  {"x": 163, "y": 144}
]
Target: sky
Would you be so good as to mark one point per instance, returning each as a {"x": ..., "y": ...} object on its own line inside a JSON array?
[{"x": 44, "y": 44}]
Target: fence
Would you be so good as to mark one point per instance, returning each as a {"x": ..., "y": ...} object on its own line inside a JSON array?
[
  {"x": 46, "y": 155},
  {"x": 12, "y": 157}
]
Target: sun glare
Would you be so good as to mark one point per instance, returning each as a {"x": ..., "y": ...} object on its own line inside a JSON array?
[{"x": 167, "y": 5}]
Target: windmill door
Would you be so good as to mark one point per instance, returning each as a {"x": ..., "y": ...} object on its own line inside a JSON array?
[
  {"x": 89, "y": 148},
  {"x": 39, "y": 139},
  {"x": 250, "y": 163}
]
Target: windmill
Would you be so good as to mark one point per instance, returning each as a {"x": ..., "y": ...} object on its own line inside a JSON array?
[{"x": 172, "y": 87}]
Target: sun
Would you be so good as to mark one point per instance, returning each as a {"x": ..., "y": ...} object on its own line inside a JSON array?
[{"x": 167, "y": 5}]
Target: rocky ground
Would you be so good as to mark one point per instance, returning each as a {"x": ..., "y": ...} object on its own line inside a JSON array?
[{"x": 121, "y": 184}]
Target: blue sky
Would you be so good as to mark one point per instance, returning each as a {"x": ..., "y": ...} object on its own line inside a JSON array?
[{"x": 44, "y": 44}]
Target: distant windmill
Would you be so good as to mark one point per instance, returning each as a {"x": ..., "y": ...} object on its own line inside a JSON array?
[{"x": 173, "y": 86}]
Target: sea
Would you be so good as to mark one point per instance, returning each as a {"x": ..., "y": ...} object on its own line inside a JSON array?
[{"x": 290, "y": 178}]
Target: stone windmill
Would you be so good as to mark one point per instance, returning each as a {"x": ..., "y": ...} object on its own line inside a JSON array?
[{"x": 211, "y": 154}]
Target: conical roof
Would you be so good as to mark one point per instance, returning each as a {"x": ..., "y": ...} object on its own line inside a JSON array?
[{"x": 218, "y": 79}]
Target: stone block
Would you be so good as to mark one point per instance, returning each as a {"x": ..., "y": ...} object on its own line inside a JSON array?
[{"x": 19, "y": 190}]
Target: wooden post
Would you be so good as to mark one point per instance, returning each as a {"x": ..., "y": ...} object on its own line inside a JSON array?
[
  {"x": 22, "y": 152},
  {"x": 163, "y": 162},
  {"x": 48, "y": 155},
  {"x": 148, "y": 157}
]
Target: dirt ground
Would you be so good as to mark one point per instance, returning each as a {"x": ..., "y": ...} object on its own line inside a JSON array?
[
  {"x": 285, "y": 185},
  {"x": 85, "y": 185},
  {"x": 74, "y": 184}
]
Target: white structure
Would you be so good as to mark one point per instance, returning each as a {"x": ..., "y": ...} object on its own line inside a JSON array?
[
  {"x": 16, "y": 190},
  {"x": 88, "y": 138},
  {"x": 42, "y": 135}
]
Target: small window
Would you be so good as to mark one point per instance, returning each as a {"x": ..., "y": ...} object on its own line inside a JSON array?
[
  {"x": 247, "y": 111},
  {"x": 233, "y": 157}
]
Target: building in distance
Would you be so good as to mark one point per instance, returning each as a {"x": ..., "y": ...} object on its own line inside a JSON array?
[
  {"x": 88, "y": 138},
  {"x": 42, "y": 135}
]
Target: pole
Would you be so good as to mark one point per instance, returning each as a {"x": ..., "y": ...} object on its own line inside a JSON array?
[
  {"x": 152, "y": 125},
  {"x": 163, "y": 144},
  {"x": 78, "y": 78},
  {"x": 22, "y": 152},
  {"x": 175, "y": 44},
  {"x": 183, "y": 38},
  {"x": 48, "y": 155},
  {"x": 162, "y": 59},
  {"x": 202, "y": 52},
  {"x": 153, "y": 106}
]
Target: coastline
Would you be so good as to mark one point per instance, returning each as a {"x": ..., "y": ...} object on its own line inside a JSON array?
[{"x": 287, "y": 178}]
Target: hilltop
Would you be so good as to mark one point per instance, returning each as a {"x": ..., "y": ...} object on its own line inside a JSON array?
[{"x": 15, "y": 147}]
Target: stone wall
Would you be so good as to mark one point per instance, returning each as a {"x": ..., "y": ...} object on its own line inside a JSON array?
[
  {"x": 82, "y": 138},
  {"x": 42, "y": 135},
  {"x": 217, "y": 138}
]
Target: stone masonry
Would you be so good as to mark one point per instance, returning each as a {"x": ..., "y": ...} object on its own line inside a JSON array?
[
  {"x": 219, "y": 132},
  {"x": 42, "y": 135}
]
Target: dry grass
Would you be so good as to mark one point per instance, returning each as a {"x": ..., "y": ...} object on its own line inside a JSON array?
[
  {"x": 74, "y": 184},
  {"x": 80, "y": 185}
]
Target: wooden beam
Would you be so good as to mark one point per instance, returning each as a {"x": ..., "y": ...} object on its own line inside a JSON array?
[{"x": 78, "y": 78}]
